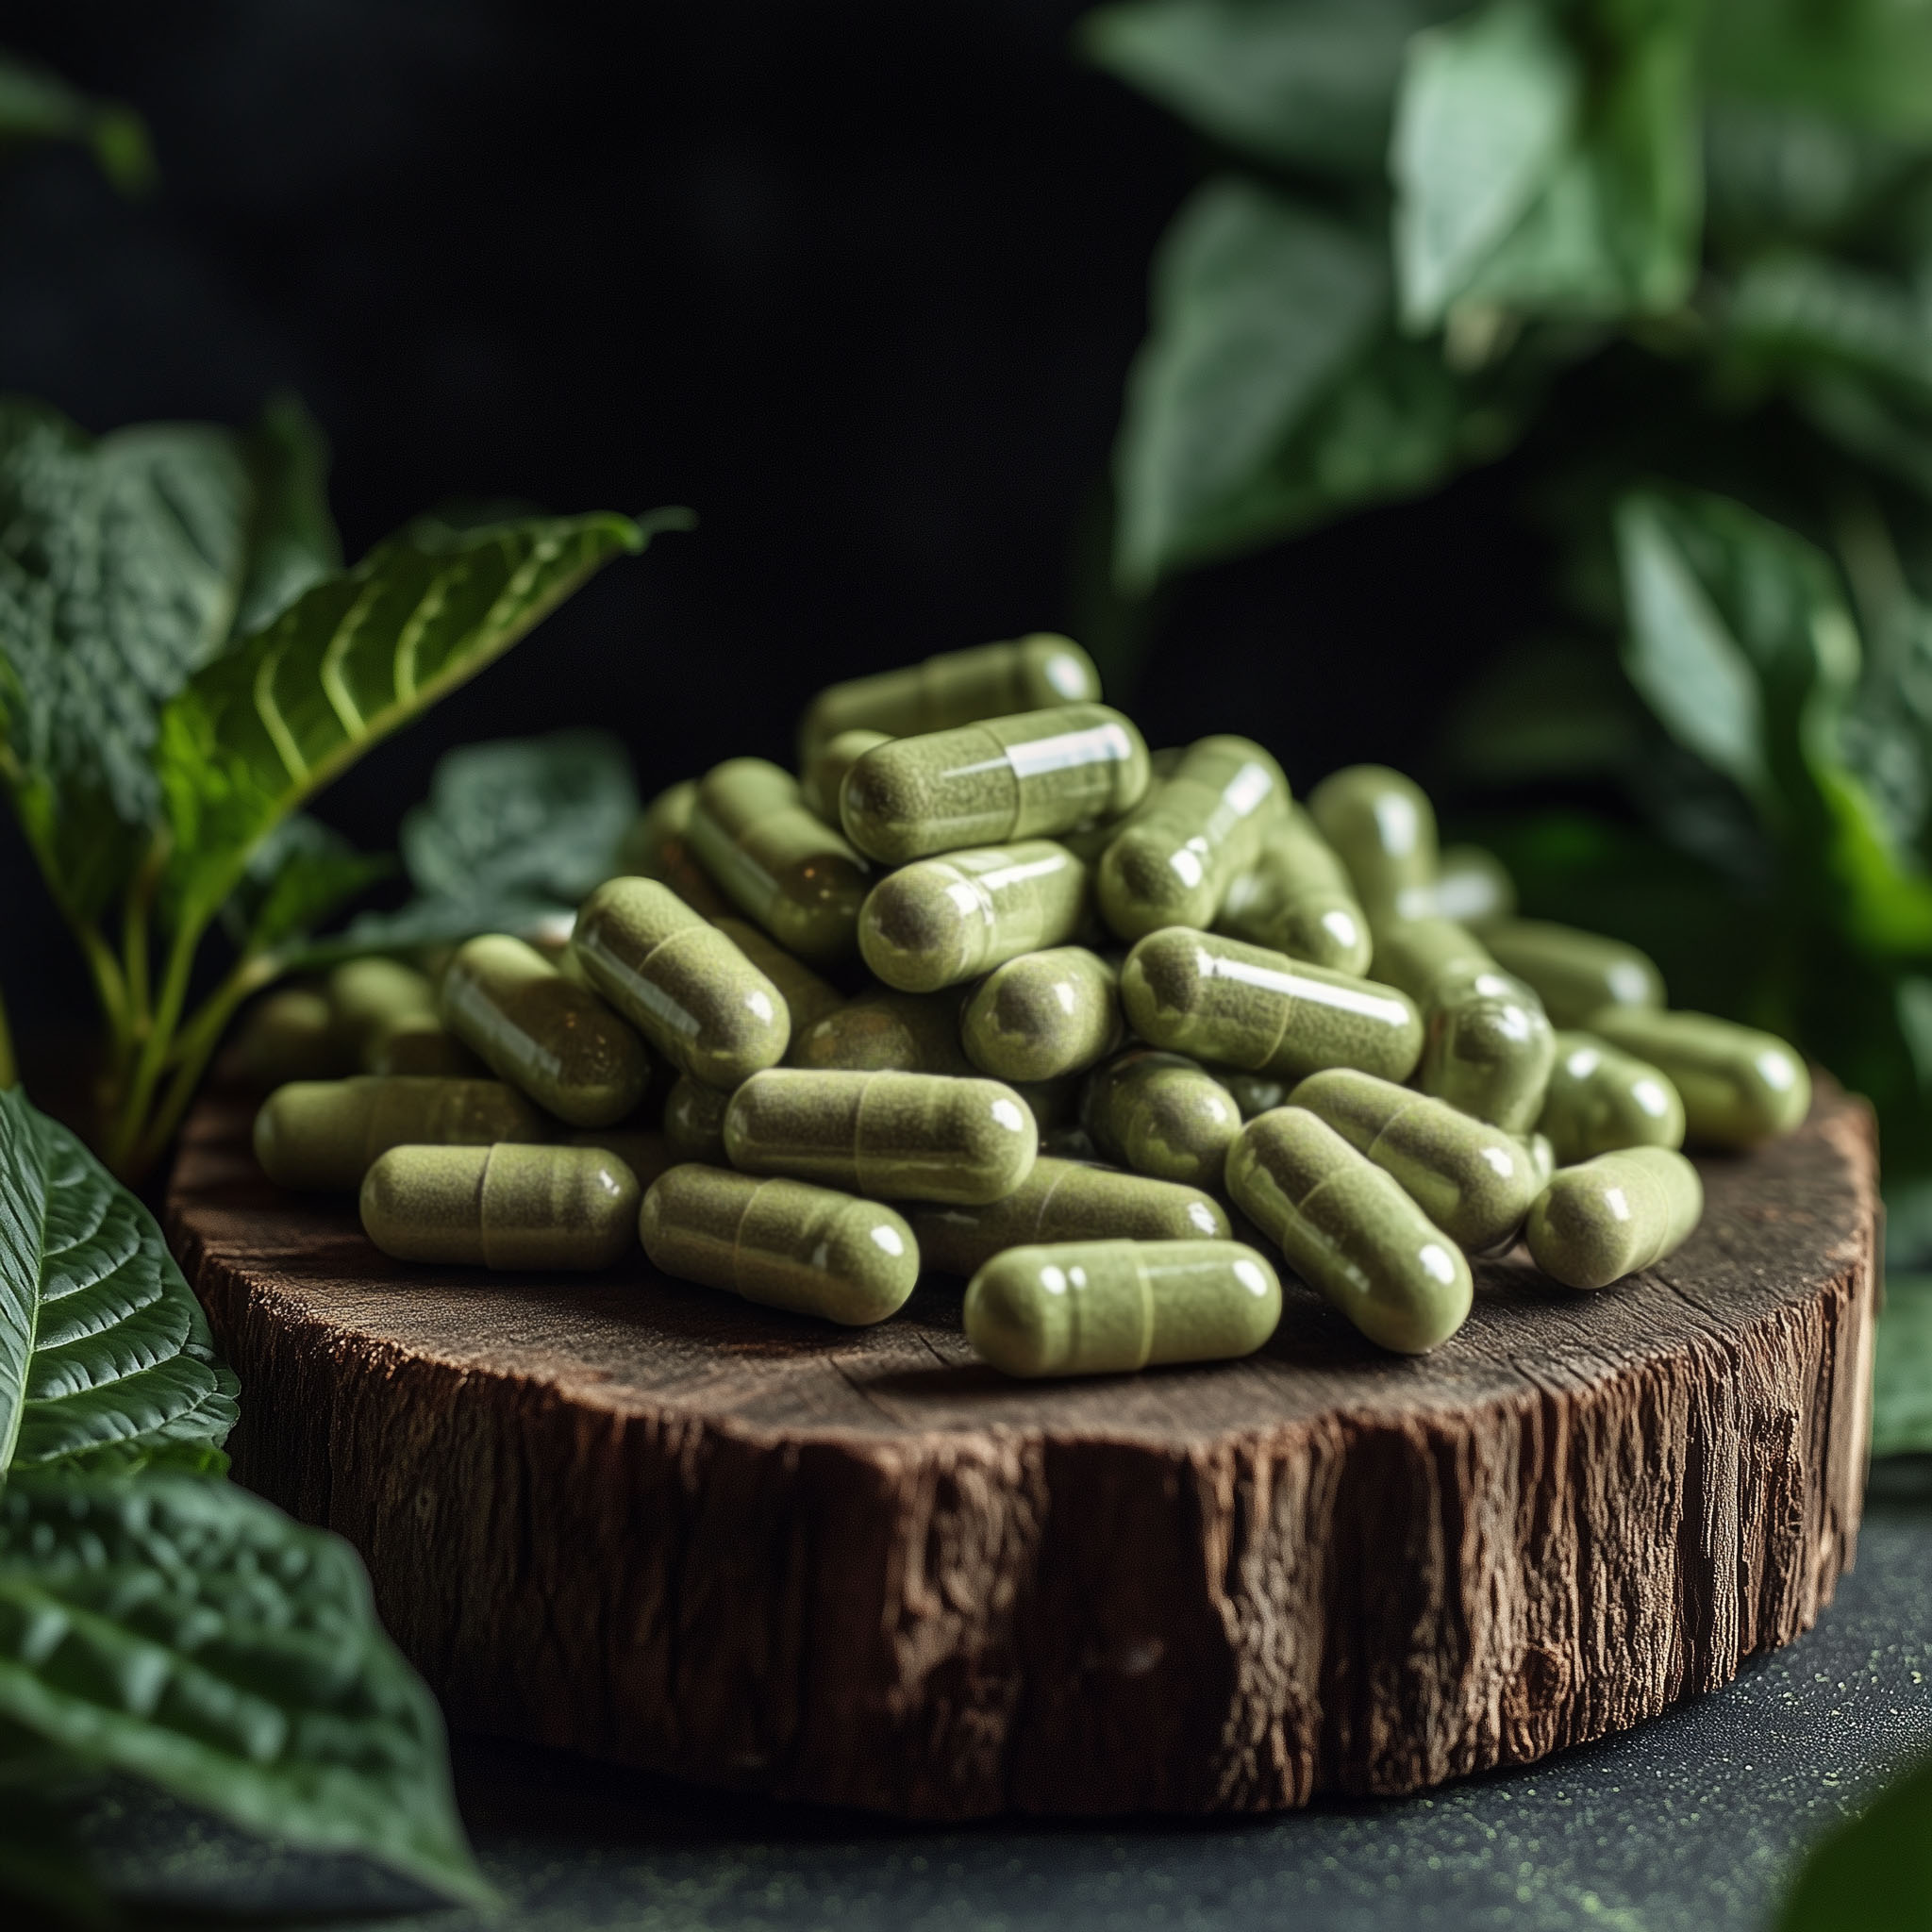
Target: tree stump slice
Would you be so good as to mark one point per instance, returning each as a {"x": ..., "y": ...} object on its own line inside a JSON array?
[{"x": 646, "y": 1520}]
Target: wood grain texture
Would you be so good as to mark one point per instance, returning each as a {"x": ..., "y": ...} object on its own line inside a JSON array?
[{"x": 643, "y": 1519}]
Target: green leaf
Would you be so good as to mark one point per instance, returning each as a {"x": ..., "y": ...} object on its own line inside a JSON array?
[
  {"x": 1807, "y": 314},
  {"x": 1874, "y": 1875},
  {"x": 37, "y": 105},
  {"x": 1866, "y": 61},
  {"x": 292, "y": 538},
  {"x": 299, "y": 877},
  {"x": 256, "y": 733},
  {"x": 1557, "y": 711},
  {"x": 1776, "y": 172},
  {"x": 1258, "y": 308},
  {"x": 1485, "y": 112},
  {"x": 102, "y": 1345},
  {"x": 1308, "y": 83},
  {"x": 185, "y": 1633}
]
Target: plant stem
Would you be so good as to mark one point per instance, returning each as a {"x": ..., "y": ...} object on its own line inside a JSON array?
[
  {"x": 194, "y": 1046},
  {"x": 129, "y": 1129},
  {"x": 9, "y": 1070}
]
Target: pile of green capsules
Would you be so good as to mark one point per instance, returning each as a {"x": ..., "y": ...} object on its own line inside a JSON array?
[{"x": 989, "y": 990}]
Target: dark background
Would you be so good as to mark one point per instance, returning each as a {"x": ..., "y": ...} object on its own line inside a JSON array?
[{"x": 859, "y": 281}]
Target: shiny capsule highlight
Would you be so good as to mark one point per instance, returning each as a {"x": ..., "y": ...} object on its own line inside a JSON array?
[
  {"x": 1160, "y": 1114},
  {"x": 1609, "y": 1217},
  {"x": 1042, "y": 1016},
  {"x": 1600, "y": 1099}
]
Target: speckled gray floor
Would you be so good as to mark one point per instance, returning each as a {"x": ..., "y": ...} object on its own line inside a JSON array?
[{"x": 1690, "y": 1822}]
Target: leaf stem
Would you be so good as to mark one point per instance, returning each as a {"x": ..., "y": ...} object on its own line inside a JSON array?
[
  {"x": 194, "y": 1046},
  {"x": 135, "y": 918},
  {"x": 127, "y": 1130},
  {"x": 9, "y": 1069}
]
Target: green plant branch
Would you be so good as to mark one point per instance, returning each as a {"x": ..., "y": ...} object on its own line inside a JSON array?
[
  {"x": 135, "y": 918},
  {"x": 194, "y": 1046},
  {"x": 138, "y": 1098}
]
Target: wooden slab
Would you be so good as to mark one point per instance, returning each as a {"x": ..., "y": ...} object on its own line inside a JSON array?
[{"x": 646, "y": 1520}]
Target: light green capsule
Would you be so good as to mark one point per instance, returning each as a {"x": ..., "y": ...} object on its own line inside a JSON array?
[
  {"x": 1296, "y": 898},
  {"x": 993, "y": 783},
  {"x": 807, "y": 998},
  {"x": 1489, "y": 1045},
  {"x": 1472, "y": 886},
  {"x": 658, "y": 847},
  {"x": 1740, "y": 1087},
  {"x": 1542, "y": 1158},
  {"x": 917, "y": 1135},
  {"x": 1473, "y": 1180},
  {"x": 886, "y": 1032},
  {"x": 1348, "y": 1228},
  {"x": 1600, "y": 1100},
  {"x": 1042, "y": 1016},
  {"x": 287, "y": 1035},
  {"x": 778, "y": 861},
  {"x": 1065, "y": 1201},
  {"x": 1113, "y": 1307},
  {"x": 646, "y": 1152},
  {"x": 1608, "y": 1217},
  {"x": 369, "y": 998},
  {"x": 1161, "y": 1115},
  {"x": 680, "y": 982},
  {"x": 1196, "y": 832},
  {"x": 544, "y": 1033},
  {"x": 1384, "y": 828},
  {"x": 955, "y": 688},
  {"x": 694, "y": 1119},
  {"x": 1254, "y": 1092},
  {"x": 1574, "y": 972},
  {"x": 946, "y": 920},
  {"x": 824, "y": 777},
  {"x": 324, "y": 1134},
  {"x": 502, "y": 1206},
  {"x": 1219, "y": 999},
  {"x": 781, "y": 1243}
]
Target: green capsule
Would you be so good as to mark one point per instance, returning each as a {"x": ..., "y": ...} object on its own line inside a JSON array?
[
  {"x": 1600, "y": 1100},
  {"x": 1296, "y": 898},
  {"x": 544, "y": 1033},
  {"x": 1489, "y": 1046},
  {"x": 823, "y": 776},
  {"x": 325, "y": 1134},
  {"x": 1384, "y": 828},
  {"x": 1574, "y": 972},
  {"x": 993, "y": 783},
  {"x": 807, "y": 998},
  {"x": 886, "y": 1032},
  {"x": 776, "y": 860},
  {"x": 1608, "y": 1217},
  {"x": 946, "y": 920},
  {"x": 1740, "y": 1087},
  {"x": 680, "y": 982},
  {"x": 1253, "y": 1093},
  {"x": 658, "y": 847},
  {"x": 502, "y": 1206},
  {"x": 1112, "y": 1307},
  {"x": 1065, "y": 1201},
  {"x": 647, "y": 1153},
  {"x": 424, "y": 1046},
  {"x": 781, "y": 1243},
  {"x": 955, "y": 688},
  {"x": 1161, "y": 1115},
  {"x": 694, "y": 1119},
  {"x": 917, "y": 1135},
  {"x": 1217, "y": 999},
  {"x": 1042, "y": 1016},
  {"x": 287, "y": 1035},
  {"x": 1196, "y": 832},
  {"x": 369, "y": 998},
  {"x": 1472, "y": 886},
  {"x": 1473, "y": 1180},
  {"x": 1543, "y": 1156},
  {"x": 1348, "y": 1228}
]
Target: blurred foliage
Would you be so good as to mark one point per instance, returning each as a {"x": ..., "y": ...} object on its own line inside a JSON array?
[
  {"x": 1874, "y": 1875},
  {"x": 37, "y": 105}
]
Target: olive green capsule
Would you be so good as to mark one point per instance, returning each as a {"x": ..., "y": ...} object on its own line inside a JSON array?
[
  {"x": 424, "y": 1046},
  {"x": 1542, "y": 1158},
  {"x": 1042, "y": 1016},
  {"x": 1472, "y": 886},
  {"x": 1384, "y": 828},
  {"x": 1296, "y": 898},
  {"x": 1196, "y": 832},
  {"x": 1161, "y": 1115},
  {"x": 886, "y": 1032},
  {"x": 647, "y": 1153},
  {"x": 1607, "y": 1218},
  {"x": 781, "y": 1243},
  {"x": 1600, "y": 1100},
  {"x": 1348, "y": 1228},
  {"x": 658, "y": 847},
  {"x": 324, "y": 1134},
  {"x": 807, "y": 998},
  {"x": 1473, "y": 1180},
  {"x": 946, "y": 920},
  {"x": 993, "y": 783},
  {"x": 1253, "y": 1093},
  {"x": 917, "y": 1135},
  {"x": 287, "y": 1035},
  {"x": 539, "y": 1031},
  {"x": 1219, "y": 999},
  {"x": 1112, "y": 1307},
  {"x": 955, "y": 688},
  {"x": 823, "y": 776},
  {"x": 776, "y": 860},
  {"x": 1574, "y": 972},
  {"x": 694, "y": 1119},
  {"x": 680, "y": 982},
  {"x": 502, "y": 1206},
  {"x": 1066, "y": 1201},
  {"x": 371, "y": 997},
  {"x": 1738, "y": 1086}
]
